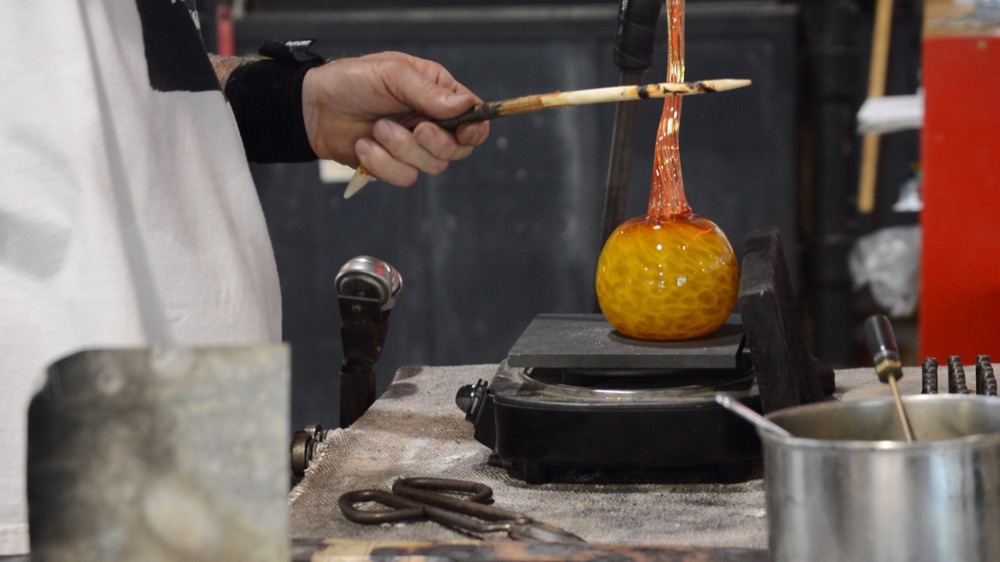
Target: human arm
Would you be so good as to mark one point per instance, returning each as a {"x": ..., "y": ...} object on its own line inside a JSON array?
[
  {"x": 374, "y": 110},
  {"x": 225, "y": 65}
]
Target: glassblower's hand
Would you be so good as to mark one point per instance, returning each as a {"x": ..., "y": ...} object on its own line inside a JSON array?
[{"x": 374, "y": 110}]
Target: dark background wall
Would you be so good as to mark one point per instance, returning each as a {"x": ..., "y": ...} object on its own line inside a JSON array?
[{"x": 513, "y": 231}]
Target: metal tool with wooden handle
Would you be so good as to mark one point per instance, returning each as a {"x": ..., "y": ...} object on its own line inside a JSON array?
[
  {"x": 885, "y": 356},
  {"x": 526, "y": 104}
]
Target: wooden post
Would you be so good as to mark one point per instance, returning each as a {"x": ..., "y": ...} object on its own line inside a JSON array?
[{"x": 881, "y": 38}]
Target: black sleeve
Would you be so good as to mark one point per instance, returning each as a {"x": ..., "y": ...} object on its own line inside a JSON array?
[{"x": 266, "y": 97}]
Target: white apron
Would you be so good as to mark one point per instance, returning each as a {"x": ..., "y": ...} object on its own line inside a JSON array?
[{"x": 127, "y": 212}]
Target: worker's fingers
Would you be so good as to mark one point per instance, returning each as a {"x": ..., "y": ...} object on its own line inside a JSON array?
[
  {"x": 427, "y": 148},
  {"x": 473, "y": 134},
  {"x": 403, "y": 145},
  {"x": 397, "y": 155},
  {"x": 440, "y": 143},
  {"x": 383, "y": 165},
  {"x": 429, "y": 89}
]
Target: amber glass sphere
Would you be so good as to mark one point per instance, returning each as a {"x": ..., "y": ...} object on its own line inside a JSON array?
[{"x": 667, "y": 279}]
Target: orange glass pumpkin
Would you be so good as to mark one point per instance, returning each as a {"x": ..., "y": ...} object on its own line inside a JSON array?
[{"x": 670, "y": 275}]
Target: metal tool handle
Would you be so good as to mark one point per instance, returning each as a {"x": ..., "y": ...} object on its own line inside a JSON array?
[
  {"x": 517, "y": 525},
  {"x": 472, "y": 502},
  {"x": 730, "y": 403},
  {"x": 454, "y": 513},
  {"x": 403, "y": 509},
  {"x": 882, "y": 345},
  {"x": 636, "y": 35},
  {"x": 419, "y": 498},
  {"x": 633, "y": 55},
  {"x": 885, "y": 356},
  {"x": 483, "y": 112},
  {"x": 424, "y": 489}
]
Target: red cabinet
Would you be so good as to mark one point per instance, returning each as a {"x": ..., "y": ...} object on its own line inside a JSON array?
[{"x": 960, "y": 264}]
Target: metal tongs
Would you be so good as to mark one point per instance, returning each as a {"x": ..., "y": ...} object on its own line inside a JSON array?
[{"x": 437, "y": 500}]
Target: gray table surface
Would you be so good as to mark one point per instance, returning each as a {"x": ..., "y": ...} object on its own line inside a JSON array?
[{"x": 415, "y": 429}]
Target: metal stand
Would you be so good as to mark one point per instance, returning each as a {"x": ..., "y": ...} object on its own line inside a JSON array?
[
  {"x": 633, "y": 55},
  {"x": 363, "y": 334},
  {"x": 367, "y": 289}
]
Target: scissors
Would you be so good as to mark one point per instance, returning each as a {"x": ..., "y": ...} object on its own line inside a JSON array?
[{"x": 435, "y": 499}]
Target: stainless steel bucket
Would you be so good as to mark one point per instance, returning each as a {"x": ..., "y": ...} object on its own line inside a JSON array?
[{"x": 848, "y": 487}]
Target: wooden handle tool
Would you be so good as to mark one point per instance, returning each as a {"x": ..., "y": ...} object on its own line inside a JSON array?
[{"x": 526, "y": 104}]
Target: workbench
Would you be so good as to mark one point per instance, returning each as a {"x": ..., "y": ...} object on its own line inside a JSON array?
[{"x": 415, "y": 430}]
